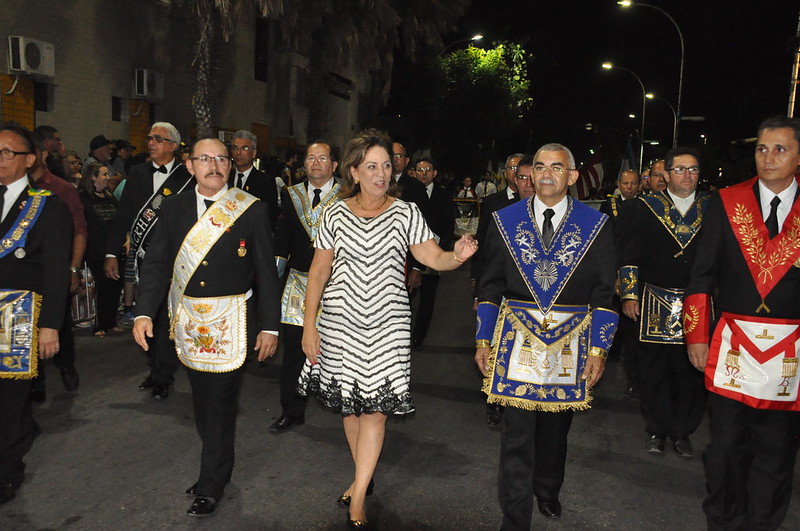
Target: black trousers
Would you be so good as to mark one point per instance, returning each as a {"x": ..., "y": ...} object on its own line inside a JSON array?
[
  {"x": 65, "y": 357},
  {"x": 672, "y": 392},
  {"x": 215, "y": 397},
  {"x": 162, "y": 358},
  {"x": 427, "y": 300},
  {"x": 533, "y": 454},
  {"x": 292, "y": 404},
  {"x": 749, "y": 465},
  {"x": 17, "y": 428},
  {"x": 107, "y": 293}
]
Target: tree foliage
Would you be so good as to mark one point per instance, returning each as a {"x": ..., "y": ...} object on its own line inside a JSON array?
[{"x": 474, "y": 103}]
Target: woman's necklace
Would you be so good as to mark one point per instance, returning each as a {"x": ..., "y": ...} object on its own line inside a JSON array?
[{"x": 365, "y": 209}]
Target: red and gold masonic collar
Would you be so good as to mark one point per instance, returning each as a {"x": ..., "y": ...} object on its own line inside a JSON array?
[{"x": 768, "y": 260}]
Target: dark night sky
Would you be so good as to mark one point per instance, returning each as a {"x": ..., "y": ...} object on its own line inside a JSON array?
[{"x": 737, "y": 66}]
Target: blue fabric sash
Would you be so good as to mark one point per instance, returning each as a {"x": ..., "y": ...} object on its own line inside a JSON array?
[
  {"x": 19, "y": 333},
  {"x": 310, "y": 217},
  {"x": 682, "y": 228},
  {"x": 547, "y": 270},
  {"x": 17, "y": 235}
]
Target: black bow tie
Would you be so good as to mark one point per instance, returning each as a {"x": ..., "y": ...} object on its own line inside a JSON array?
[
  {"x": 208, "y": 203},
  {"x": 160, "y": 169}
]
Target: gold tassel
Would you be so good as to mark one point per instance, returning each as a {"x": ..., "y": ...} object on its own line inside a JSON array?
[{"x": 789, "y": 367}]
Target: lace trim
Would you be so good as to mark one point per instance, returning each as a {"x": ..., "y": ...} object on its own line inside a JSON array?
[{"x": 385, "y": 401}]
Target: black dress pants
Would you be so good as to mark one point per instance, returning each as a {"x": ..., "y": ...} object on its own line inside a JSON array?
[
  {"x": 107, "y": 292},
  {"x": 749, "y": 465},
  {"x": 162, "y": 358},
  {"x": 17, "y": 428},
  {"x": 672, "y": 393},
  {"x": 533, "y": 454},
  {"x": 427, "y": 300},
  {"x": 215, "y": 397},
  {"x": 293, "y": 405}
]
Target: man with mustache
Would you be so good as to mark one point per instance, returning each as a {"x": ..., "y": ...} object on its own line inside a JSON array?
[
  {"x": 213, "y": 246},
  {"x": 544, "y": 328},
  {"x": 658, "y": 242}
]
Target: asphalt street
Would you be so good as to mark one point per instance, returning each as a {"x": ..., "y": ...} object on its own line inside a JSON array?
[{"x": 110, "y": 457}]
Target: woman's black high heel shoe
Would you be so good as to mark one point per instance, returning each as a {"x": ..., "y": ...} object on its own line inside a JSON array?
[
  {"x": 344, "y": 499},
  {"x": 359, "y": 525}
]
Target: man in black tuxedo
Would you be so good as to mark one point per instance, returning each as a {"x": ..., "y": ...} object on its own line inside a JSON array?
[
  {"x": 303, "y": 205},
  {"x": 147, "y": 186},
  {"x": 493, "y": 203},
  {"x": 246, "y": 177},
  {"x": 39, "y": 262},
  {"x": 411, "y": 191},
  {"x": 440, "y": 217},
  {"x": 212, "y": 248}
]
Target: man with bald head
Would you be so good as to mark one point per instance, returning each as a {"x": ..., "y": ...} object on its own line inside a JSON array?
[{"x": 213, "y": 246}]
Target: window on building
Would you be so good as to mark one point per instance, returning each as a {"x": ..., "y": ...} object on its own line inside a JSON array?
[
  {"x": 43, "y": 96},
  {"x": 261, "y": 60},
  {"x": 116, "y": 108}
]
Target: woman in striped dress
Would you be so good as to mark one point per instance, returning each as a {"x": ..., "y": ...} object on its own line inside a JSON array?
[{"x": 359, "y": 356}]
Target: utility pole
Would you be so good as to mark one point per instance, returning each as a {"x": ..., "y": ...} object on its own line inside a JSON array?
[{"x": 795, "y": 69}]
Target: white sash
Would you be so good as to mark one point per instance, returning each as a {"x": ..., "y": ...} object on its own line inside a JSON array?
[{"x": 210, "y": 333}]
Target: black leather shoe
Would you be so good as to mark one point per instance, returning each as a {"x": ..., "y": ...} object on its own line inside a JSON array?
[
  {"x": 192, "y": 491},
  {"x": 70, "y": 378},
  {"x": 682, "y": 446},
  {"x": 361, "y": 525},
  {"x": 285, "y": 422},
  {"x": 654, "y": 445},
  {"x": 549, "y": 508},
  {"x": 7, "y": 492},
  {"x": 202, "y": 506},
  {"x": 494, "y": 413},
  {"x": 160, "y": 392},
  {"x": 344, "y": 499},
  {"x": 148, "y": 383}
]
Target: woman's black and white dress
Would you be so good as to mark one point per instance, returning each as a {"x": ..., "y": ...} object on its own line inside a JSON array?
[{"x": 365, "y": 324}]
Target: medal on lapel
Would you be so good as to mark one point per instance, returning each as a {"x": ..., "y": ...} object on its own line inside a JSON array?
[
  {"x": 242, "y": 249},
  {"x": 19, "y": 253}
]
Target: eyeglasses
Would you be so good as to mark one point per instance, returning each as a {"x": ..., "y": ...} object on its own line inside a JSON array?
[
  {"x": 158, "y": 139},
  {"x": 322, "y": 159},
  {"x": 242, "y": 148},
  {"x": 424, "y": 170},
  {"x": 539, "y": 169},
  {"x": 9, "y": 154},
  {"x": 512, "y": 168},
  {"x": 523, "y": 177},
  {"x": 205, "y": 160},
  {"x": 680, "y": 170},
  {"x": 399, "y": 155}
]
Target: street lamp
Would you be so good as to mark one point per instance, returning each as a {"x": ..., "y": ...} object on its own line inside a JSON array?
[
  {"x": 610, "y": 66},
  {"x": 629, "y": 3},
  {"x": 651, "y": 96},
  {"x": 474, "y": 38}
]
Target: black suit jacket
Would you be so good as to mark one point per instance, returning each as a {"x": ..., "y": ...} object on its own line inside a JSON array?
[
  {"x": 291, "y": 239},
  {"x": 441, "y": 216},
  {"x": 491, "y": 203},
  {"x": 45, "y": 266},
  {"x": 138, "y": 189},
  {"x": 413, "y": 191},
  {"x": 223, "y": 271},
  {"x": 263, "y": 187}
]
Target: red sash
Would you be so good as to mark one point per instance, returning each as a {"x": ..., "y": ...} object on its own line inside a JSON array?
[{"x": 768, "y": 260}]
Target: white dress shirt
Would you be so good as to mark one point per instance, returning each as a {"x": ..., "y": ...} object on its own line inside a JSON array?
[
  {"x": 160, "y": 178},
  {"x": 325, "y": 188},
  {"x": 12, "y": 193},
  {"x": 560, "y": 210},
  {"x": 682, "y": 203},
  {"x": 245, "y": 176},
  {"x": 787, "y": 199}
]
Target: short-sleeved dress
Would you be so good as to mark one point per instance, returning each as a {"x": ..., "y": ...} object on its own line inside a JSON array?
[{"x": 365, "y": 323}]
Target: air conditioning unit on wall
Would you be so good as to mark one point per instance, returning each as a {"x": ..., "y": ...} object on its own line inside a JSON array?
[
  {"x": 29, "y": 56},
  {"x": 148, "y": 84}
]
